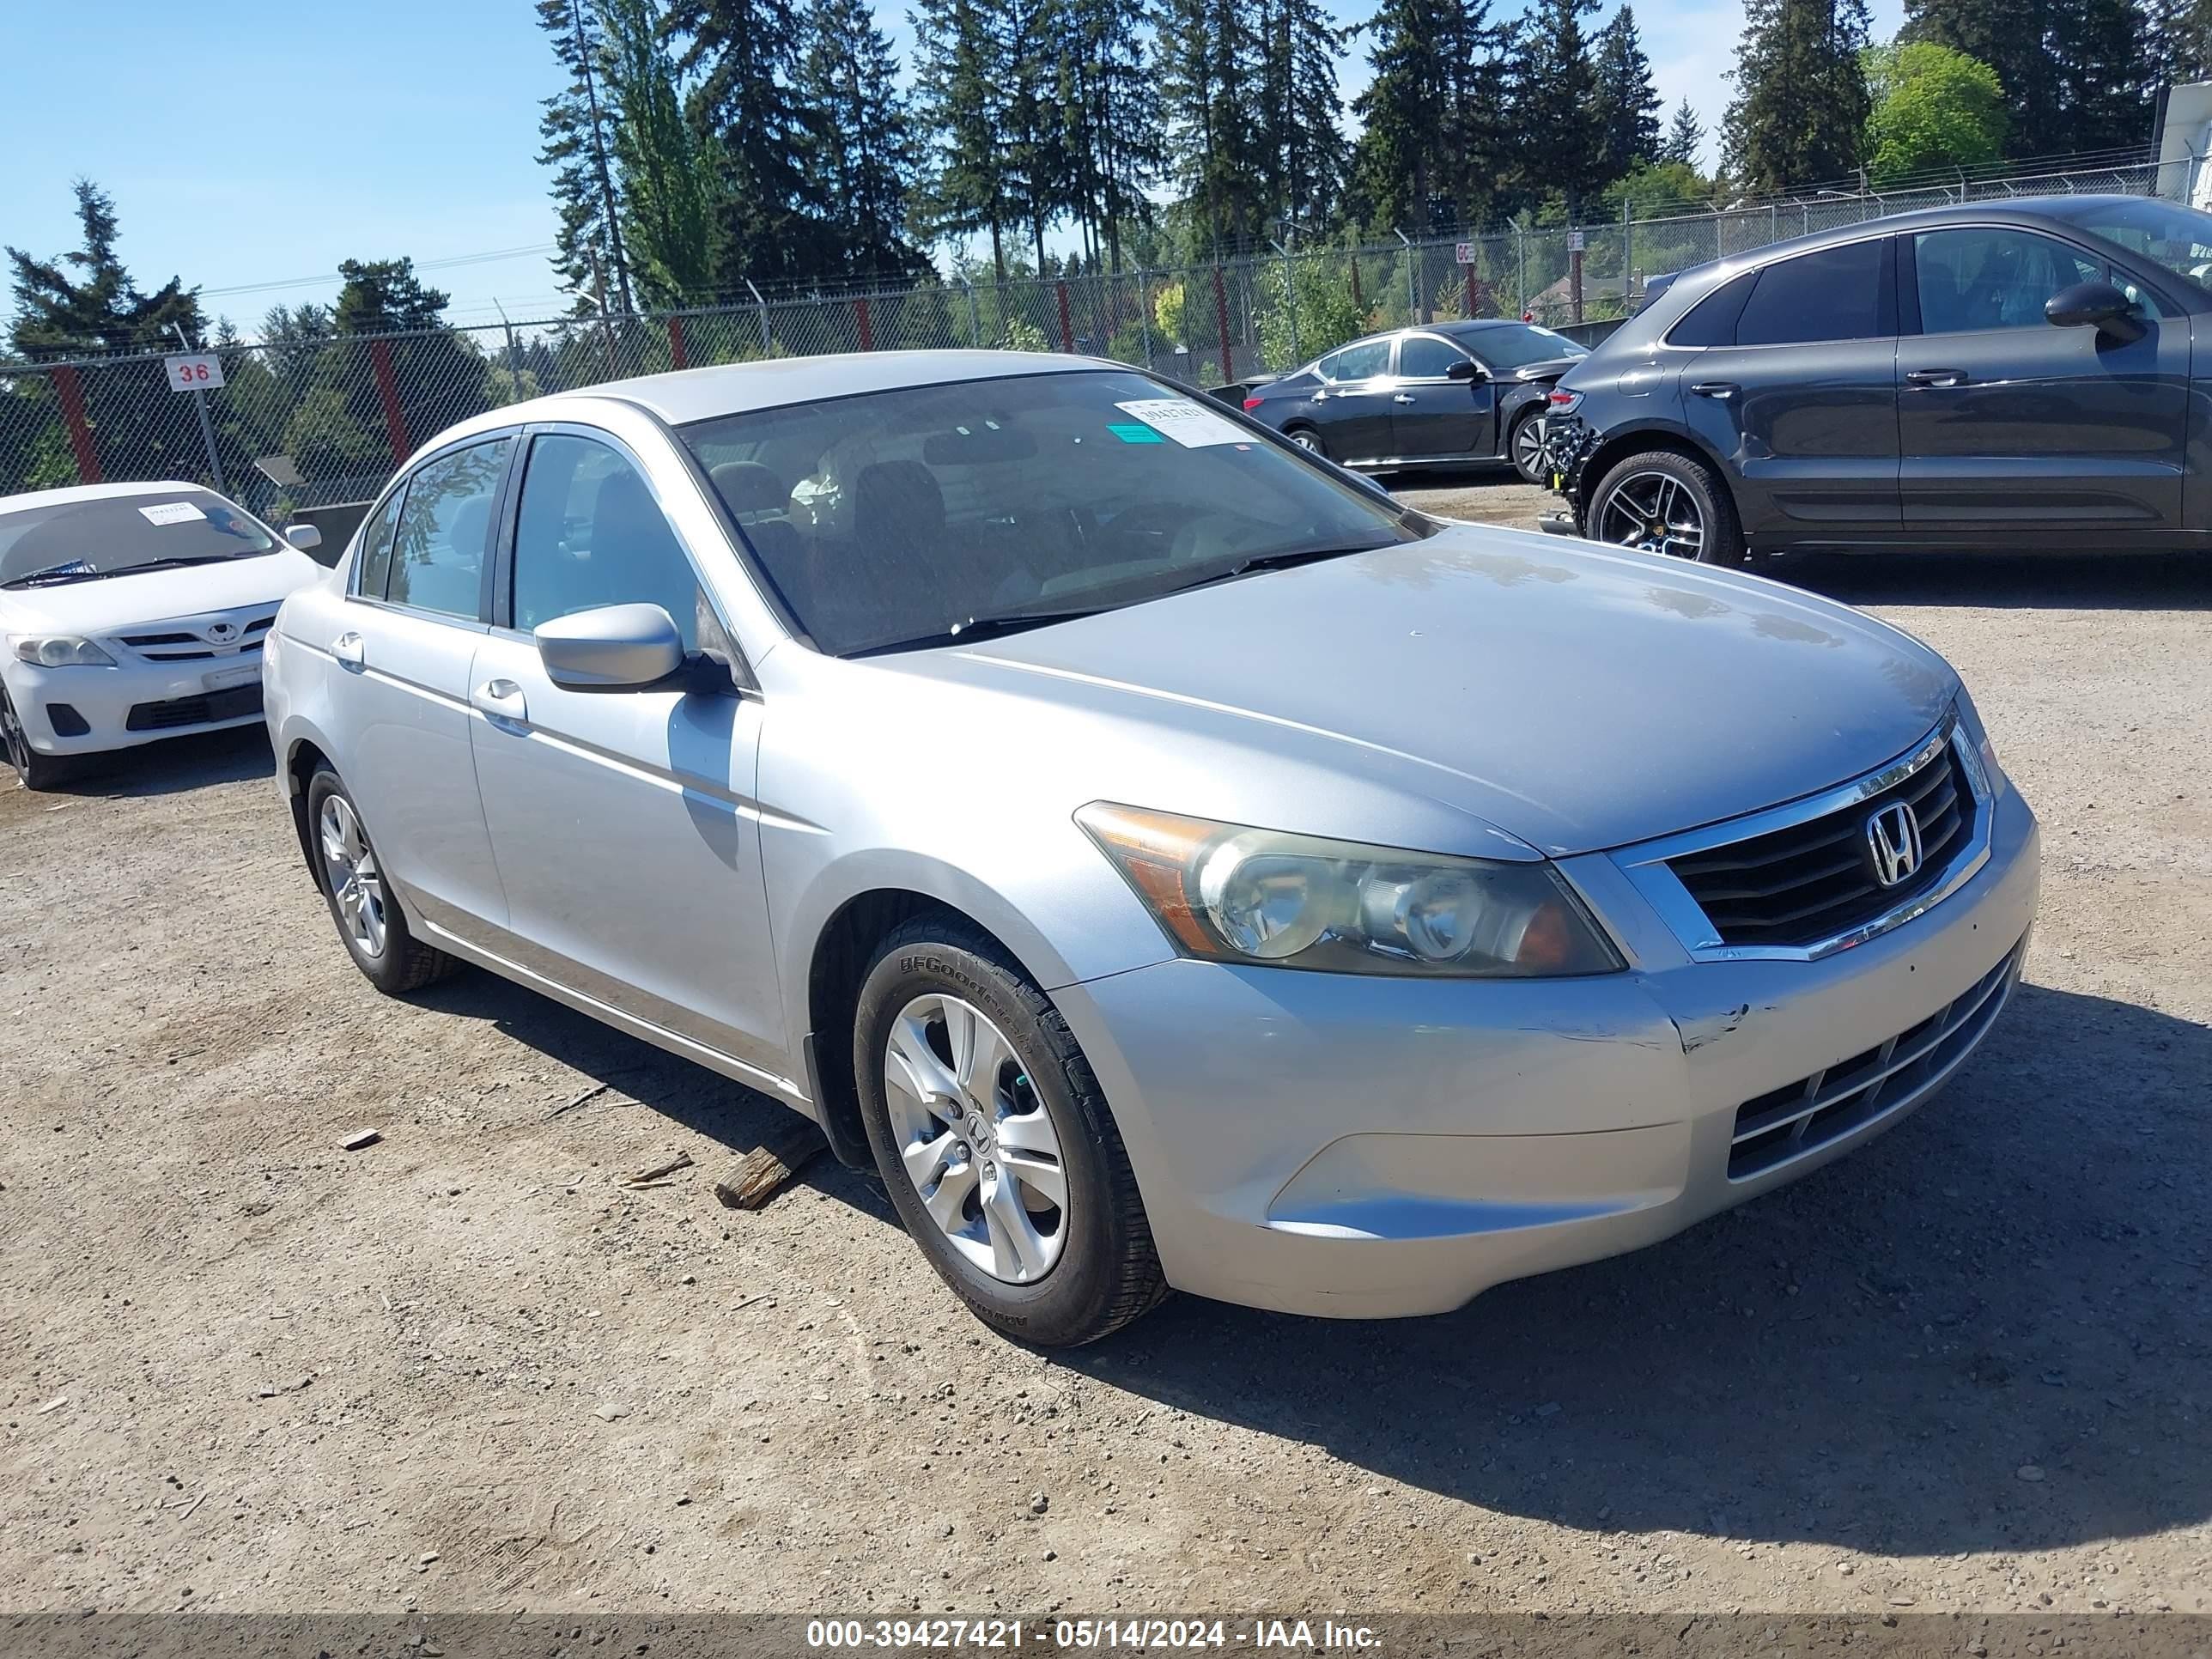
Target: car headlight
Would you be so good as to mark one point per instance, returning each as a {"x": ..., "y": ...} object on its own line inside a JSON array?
[
  {"x": 1230, "y": 893},
  {"x": 1977, "y": 739},
  {"x": 61, "y": 650}
]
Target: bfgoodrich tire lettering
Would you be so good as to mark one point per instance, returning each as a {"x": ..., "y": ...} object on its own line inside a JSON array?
[{"x": 945, "y": 981}]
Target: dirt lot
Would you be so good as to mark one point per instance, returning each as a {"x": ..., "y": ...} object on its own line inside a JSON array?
[{"x": 240, "y": 1369}]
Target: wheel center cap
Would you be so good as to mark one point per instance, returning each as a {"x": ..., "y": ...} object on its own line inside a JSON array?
[{"x": 979, "y": 1130}]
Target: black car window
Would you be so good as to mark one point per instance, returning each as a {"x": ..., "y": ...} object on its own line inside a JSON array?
[
  {"x": 1711, "y": 321},
  {"x": 1985, "y": 276},
  {"x": 588, "y": 532},
  {"x": 1831, "y": 293},
  {"x": 1425, "y": 358},
  {"x": 438, "y": 556},
  {"x": 1361, "y": 362}
]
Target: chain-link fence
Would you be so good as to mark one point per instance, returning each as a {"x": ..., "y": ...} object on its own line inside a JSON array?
[{"x": 344, "y": 411}]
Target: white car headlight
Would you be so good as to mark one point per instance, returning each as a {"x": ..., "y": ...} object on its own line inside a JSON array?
[
  {"x": 1986, "y": 752},
  {"x": 1229, "y": 893},
  {"x": 61, "y": 650}
]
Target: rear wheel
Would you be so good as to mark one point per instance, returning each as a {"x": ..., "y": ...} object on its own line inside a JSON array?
[
  {"x": 1307, "y": 439},
  {"x": 1525, "y": 448},
  {"x": 1664, "y": 502},
  {"x": 370, "y": 923},
  {"x": 32, "y": 769}
]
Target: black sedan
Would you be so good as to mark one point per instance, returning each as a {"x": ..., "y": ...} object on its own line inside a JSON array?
[
  {"x": 1992, "y": 375},
  {"x": 1441, "y": 394}
]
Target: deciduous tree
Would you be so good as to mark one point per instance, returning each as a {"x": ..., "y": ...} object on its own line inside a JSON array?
[{"x": 1933, "y": 107}]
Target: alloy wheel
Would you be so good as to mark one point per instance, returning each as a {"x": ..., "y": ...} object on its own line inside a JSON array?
[
  {"x": 1306, "y": 440},
  {"x": 1656, "y": 512},
  {"x": 976, "y": 1139},
  {"x": 1529, "y": 447},
  {"x": 357, "y": 884}
]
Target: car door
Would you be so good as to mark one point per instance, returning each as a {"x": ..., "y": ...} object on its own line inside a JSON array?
[
  {"x": 1795, "y": 387},
  {"x": 623, "y": 821},
  {"x": 2007, "y": 422},
  {"x": 409, "y": 626},
  {"x": 1434, "y": 417},
  {"x": 1352, "y": 405}
]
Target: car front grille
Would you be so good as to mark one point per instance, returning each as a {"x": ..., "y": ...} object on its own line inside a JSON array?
[
  {"x": 1811, "y": 881},
  {"x": 182, "y": 642},
  {"x": 1803, "y": 1116},
  {"x": 231, "y": 705}
]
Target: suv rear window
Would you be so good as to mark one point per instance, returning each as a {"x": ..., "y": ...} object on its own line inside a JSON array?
[{"x": 1833, "y": 293}]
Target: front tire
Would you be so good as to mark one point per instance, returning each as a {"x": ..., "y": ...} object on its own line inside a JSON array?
[
  {"x": 370, "y": 923},
  {"x": 1307, "y": 439},
  {"x": 1663, "y": 501},
  {"x": 33, "y": 771},
  {"x": 996, "y": 1144},
  {"x": 1524, "y": 447}
]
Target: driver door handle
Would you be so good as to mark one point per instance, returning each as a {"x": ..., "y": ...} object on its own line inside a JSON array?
[
  {"x": 347, "y": 649},
  {"x": 1722, "y": 389},
  {"x": 1936, "y": 377},
  {"x": 501, "y": 700},
  {"x": 1401, "y": 398}
]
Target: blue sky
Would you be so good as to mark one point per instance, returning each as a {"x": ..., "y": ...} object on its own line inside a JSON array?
[{"x": 252, "y": 142}]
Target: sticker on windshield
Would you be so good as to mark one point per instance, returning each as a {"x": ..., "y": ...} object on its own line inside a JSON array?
[
  {"x": 171, "y": 513},
  {"x": 1134, "y": 432},
  {"x": 1189, "y": 424}
]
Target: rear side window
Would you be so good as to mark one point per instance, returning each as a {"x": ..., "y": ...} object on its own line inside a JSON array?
[
  {"x": 373, "y": 569},
  {"x": 444, "y": 527},
  {"x": 1359, "y": 363},
  {"x": 1835, "y": 294},
  {"x": 1711, "y": 321}
]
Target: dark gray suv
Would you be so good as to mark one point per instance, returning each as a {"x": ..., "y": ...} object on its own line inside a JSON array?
[{"x": 1992, "y": 375}]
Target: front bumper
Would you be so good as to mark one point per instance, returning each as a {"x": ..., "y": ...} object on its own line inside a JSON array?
[
  {"x": 90, "y": 710},
  {"x": 1362, "y": 1148}
]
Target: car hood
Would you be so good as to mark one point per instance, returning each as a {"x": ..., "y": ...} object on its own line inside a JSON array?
[
  {"x": 1576, "y": 698},
  {"x": 191, "y": 590},
  {"x": 1550, "y": 369}
]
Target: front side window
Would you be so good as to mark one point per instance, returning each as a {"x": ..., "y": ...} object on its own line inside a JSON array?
[
  {"x": 115, "y": 535},
  {"x": 912, "y": 516},
  {"x": 1363, "y": 361},
  {"x": 1992, "y": 277},
  {"x": 444, "y": 527},
  {"x": 373, "y": 569},
  {"x": 588, "y": 532},
  {"x": 1834, "y": 294},
  {"x": 1425, "y": 358}
]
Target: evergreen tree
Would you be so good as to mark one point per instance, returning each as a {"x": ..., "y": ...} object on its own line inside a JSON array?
[
  {"x": 967, "y": 183},
  {"x": 1800, "y": 105},
  {"x": 1111, "y": 108},
  {"x": 2179, "y": 42},
  {"x": 578, "y": 147},
  {"x": 1208, "y": 54},
  {"x": 861, "y": 152},
  {"x": 743, "y": 56},
  {"x": 1627, "y": 103},
  {"x": 1034, "y": 134},
  {"x": 2076, "y": 73},
  {"x": 1685, "y": 136},
  {"x": 1555, "y": 111},
  {"x": 667, "y": 172},
  {"x": 438, "y": 373},
  {"x": 1302, "y": 149},
  {"x": 100, "y": 308},
  {"x": 1433, "y": 143}
]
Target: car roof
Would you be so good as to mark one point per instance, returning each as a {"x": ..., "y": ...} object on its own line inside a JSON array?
[{"x": 99, "y": 492}]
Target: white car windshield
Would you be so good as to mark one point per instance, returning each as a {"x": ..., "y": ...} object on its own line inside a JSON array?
[
  {"x": 114, "y": 535},
  {"x": 918, "y": 516}
]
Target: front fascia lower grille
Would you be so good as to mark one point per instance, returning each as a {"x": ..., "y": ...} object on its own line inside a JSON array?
[{"x": 1647, "y": 866}]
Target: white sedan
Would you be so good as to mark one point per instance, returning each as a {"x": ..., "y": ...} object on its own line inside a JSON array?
[{"x": 132, "y": 612}]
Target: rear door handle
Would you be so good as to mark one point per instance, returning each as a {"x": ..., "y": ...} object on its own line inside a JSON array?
[
  {"x": 1724, "y": 390},
  {"x": 347, "y": 649},
  {"x": 501, "y": 700},
  {"x": 1936, "y": 377},
  {"x": 1402, "y": 398}
]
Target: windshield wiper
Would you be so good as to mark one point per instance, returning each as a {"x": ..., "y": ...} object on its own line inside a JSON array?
[
  {"x": 1284, "y": 561},
  {"x": 980, "y": 628},
  {"x": 77, "y": 570}
]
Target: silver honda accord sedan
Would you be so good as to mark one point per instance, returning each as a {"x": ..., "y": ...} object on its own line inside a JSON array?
[{"x": 1164, "y": 859}]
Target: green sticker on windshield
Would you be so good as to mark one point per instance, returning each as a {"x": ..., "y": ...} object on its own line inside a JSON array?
[{"x": 1129, "y": 432}]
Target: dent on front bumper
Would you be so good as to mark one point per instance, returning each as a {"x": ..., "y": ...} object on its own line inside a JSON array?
[{"x": 1362, "y": 1148}]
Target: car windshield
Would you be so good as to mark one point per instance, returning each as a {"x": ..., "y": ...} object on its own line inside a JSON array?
[
  {"x": 1518, "y": 344},
  {"x": 114, "y": 535},
  {"x": 918, "y": 515},
  {"x": 2177, "y": 239}
]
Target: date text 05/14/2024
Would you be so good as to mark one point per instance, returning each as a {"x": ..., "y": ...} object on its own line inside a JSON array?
[{"x": 1295, "y": 1635}]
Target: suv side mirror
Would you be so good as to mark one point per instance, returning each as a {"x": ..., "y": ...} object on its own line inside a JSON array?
[
  {"x": 615, "y": 647},
  {"x": 1466, "y": 369},
  {"x": 2099, "y": 305}
]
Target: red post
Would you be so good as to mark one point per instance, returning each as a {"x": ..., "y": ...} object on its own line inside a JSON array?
[
  {"x": 677, "y": 355},
  {"x": 388, "y": 389},
  {"x": 1474, "y": 294},
  {"x": 860, "y": 316},
  {"x": 1221, "y": 310},
  {"x": 1358, "y": 304},
  {"x": 1066, "y": 327},
  {"x": 70, "y": 390}
]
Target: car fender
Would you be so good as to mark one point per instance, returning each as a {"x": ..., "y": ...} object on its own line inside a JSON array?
[{"x": 1615, "y": 441}]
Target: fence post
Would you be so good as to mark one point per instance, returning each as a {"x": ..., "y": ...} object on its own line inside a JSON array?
[
  {"x": 1412, "y": 278},
  {"x": 1221, "y": 313},
  {"x": 1521, "y": 266},
  {"x": 70, "y": 390},
  {"x": 1574, "y": 276},
  {"x": 1471, "y": 307},
  {"x": 677, "y": 355},
  {"x": 1359, "y": 301},
  {"x": 1291, "y": 298},
  {"x": 1144, "y": 315},
  {"x": 1627, "y": 246},
  {"x": 387, "y": 390},
  {"x": 975, "y": 316},
  {"x": 860, "y": 316},
  {"x": 768, "y": 342},
  {"x": 1066, "y": 327}
]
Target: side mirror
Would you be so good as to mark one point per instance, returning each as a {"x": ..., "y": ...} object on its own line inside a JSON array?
[
  {"x": 1467, "y": 369},
  {"x": 305, "y": 537},
  {"x": 2099, "y": 305},
  {"x": 617, "y": 648}
]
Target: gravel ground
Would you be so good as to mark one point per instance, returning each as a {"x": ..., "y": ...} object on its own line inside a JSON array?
[{"x": 240, "y": 1369}]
